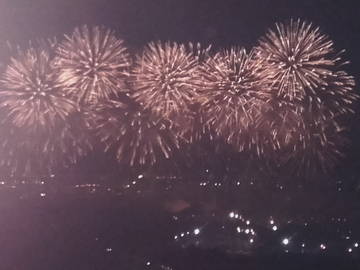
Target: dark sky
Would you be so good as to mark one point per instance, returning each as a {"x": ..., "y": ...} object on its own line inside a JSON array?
[
  {"x": 226, "y": 22},
  {"x": 222, "y": 23}
]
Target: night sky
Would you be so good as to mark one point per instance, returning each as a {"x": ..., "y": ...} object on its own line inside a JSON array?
[{"x": 220, "y": 23}]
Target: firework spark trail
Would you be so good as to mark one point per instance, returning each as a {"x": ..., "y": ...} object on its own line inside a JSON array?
[
  {"x": 42, "y": 153},
  {"x": 324, "y": 140},
  {"x": 294, "y": 136},
  {"x": 234, "y": 92},
  {"x": 317, "y": 145},
  {"x": 299, "y": 56},
  {"x": 92, "y": 64},
  {"x": 336, "y": 98},
  {"x": 165, "y": 80},
  {"x": 303, "y": 139},
  {"x": 38, "y": 132},
  {"x": 137, "y": 136}
]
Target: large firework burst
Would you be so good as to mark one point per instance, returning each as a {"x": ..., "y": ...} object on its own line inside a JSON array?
[
  {"x": 37, "y": 129},
  {"x": 234, "y": 93},
  {"x": 92, "y": 64},
  {"x": 137, "y": 136},
  {"x": 299, "y": 57},
  {"x": 309, "y": 95},
  {"x": 28, "y": 95},
  {"x": 165, "y": 80}
]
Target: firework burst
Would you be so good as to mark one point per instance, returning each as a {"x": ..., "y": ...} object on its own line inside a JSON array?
[
  {"x": 309, "y": 95},
  {"x": 299, "y": 58},
  {"x": 233, "y": 95},
  {"x": 92, "y": 64},
  {"x": 137, "y": 136},
  {"x": 37, "y": 131},
  {"x": 165, "y": 80},
  {"x": 28, "y": 95}
]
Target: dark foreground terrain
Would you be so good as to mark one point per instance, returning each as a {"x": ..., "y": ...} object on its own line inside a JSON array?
[{"x": 85, "y": 226}]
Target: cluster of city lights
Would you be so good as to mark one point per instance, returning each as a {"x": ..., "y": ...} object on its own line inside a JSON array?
[
  {"x": 232, "y": 222},
  {"x": 286, "y": 241}
]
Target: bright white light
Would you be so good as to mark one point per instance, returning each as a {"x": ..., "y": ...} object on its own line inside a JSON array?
[
  {"x": 148, "y": 263},
  {"x": 238, "y": 229},
  {"x": 274, "y": 228},
  {"x": 349, "y": 250},
  {"x": 303, "y": 245},
  {"x": 236, "y": 216},
  {"x": 108, "y": 249},
  {"x": 175, "y": 237},
  {"x": 231, "y": 214},
  {"x": 248, "y": 222},
  {"x": 247, "y": 231},
  {"x": 322, "y": 246},
  {"x": 182, "y": 235},
  {"x": 42, "y": 194},
  {"x": 271, "y": 222},
  {"x": 140, "y": 176},
  {"x": 196, "y": 231},
  {"x": 133, "y": 182},
  {"x": 356, "y": 244},
  {"x": 251, "y": 240},
  {"x": 286, "y": 241}
]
